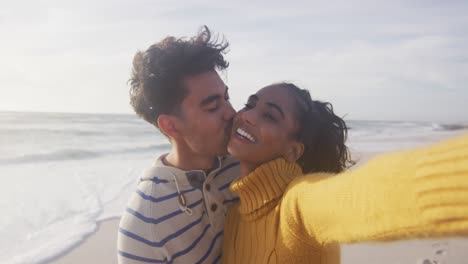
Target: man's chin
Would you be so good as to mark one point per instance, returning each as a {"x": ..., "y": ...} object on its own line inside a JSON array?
[{"x": 223, "y": 152}]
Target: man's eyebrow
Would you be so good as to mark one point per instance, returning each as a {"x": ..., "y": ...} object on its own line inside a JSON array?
[
  {"x": 275, "y": 106},
  {"x": 210, "y": 99}
]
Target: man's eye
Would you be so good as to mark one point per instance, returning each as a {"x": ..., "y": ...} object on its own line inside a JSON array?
[{"x": 211, "y": 110}]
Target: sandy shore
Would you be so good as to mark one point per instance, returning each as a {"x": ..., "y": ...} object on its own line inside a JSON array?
[
  {"x": 427, "y": 251},
  {"x": 100, "y": 247}
]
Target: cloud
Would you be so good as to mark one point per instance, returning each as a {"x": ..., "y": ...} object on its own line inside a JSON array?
[{"x": 343, "y": 52}]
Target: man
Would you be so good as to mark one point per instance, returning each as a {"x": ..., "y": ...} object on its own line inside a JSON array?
[{"x": 176, "y": 214}]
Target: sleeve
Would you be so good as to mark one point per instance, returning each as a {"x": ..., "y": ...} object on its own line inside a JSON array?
[
  {"x": 136, "y": 235},
  {"x": 410, "y": 194}
]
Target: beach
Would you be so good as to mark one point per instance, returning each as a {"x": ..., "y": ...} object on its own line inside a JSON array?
[
  {"x": 69, "y": 176},
  {"x": 100, "y": 247},
  {"x": 87, "y": 88}
]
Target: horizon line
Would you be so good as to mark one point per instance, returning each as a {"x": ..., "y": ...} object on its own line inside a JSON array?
[{"x": 135, "y": 115}]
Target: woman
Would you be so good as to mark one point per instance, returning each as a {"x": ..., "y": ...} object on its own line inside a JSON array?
[{"x": 284, "y": 217}]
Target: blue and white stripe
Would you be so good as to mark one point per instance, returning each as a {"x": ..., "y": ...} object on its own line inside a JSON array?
[{"x": 153, "y": 228}]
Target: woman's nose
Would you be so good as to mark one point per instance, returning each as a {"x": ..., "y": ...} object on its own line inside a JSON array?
[{"x": 249, "y": 117}]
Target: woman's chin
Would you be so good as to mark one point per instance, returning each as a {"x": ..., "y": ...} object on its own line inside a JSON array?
[
  {"x": 234, "y": 150},
  {"x": 245, "y": 152}
]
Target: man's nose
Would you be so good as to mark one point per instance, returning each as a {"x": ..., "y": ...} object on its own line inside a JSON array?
[{"x": 229, "y": 112}]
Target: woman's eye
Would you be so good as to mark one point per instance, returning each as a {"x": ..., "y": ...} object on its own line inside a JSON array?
[{"x": 270, "y": 117}]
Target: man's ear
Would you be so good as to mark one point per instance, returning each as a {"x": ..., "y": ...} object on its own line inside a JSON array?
[
  {"x": 295, "y": 151},
  {"x": 167, "y": 125}
]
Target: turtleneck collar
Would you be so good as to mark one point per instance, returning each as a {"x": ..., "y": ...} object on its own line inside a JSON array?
[{"x": 260, "y": 190}]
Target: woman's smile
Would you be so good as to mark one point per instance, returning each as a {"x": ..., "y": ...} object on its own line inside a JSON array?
[{"x": 244, "y": 136}]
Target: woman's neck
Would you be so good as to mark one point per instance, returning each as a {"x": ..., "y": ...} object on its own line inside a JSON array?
[{"x": 246, "y": 168}]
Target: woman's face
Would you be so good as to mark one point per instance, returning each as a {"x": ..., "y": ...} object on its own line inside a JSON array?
[{"x": 263, "y": 130}]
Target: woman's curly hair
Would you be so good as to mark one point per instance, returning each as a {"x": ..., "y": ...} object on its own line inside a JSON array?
[{"x": 321, "y": 131}]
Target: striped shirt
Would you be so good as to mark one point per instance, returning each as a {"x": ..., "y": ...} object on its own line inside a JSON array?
[{"x": 160, "y": 226}]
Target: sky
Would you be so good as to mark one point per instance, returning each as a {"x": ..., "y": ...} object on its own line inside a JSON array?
[{"x": 373, "y": 60}]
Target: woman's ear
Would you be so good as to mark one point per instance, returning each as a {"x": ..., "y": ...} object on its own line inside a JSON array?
[
  {"x": 167, "y": 125},
  {"x": 294, "y": 152}
]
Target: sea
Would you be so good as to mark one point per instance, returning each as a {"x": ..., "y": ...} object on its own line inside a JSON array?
[{"x": 60, "y": 174}]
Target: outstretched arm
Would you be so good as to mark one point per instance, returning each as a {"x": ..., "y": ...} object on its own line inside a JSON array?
[{"x": 417, "y": 193}]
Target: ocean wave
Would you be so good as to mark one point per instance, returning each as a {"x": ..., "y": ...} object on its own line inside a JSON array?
[
  {"x": 65, "y": 154},
  {"x": 78, "y": 154},
  {"x": 72, "y": 132},
  {"x": 143, "y": 149},
  {"x": 49, "y": 132},
  {"x": 449, "y": 127}
]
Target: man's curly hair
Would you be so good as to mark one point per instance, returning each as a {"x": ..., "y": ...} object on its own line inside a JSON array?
[{"x": 156, "y": 81}]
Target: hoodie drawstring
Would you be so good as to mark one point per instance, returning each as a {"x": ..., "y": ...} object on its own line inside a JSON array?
[{"x": 181, "y": 199}]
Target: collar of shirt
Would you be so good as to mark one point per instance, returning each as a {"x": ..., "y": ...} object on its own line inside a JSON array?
[{"x": 160, "y": 172}]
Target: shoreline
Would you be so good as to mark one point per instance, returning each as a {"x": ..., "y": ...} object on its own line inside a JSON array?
[{"x": 97, "y": 247}]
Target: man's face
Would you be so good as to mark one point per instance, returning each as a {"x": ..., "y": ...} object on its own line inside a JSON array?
[{"x": 206, "y": 116}]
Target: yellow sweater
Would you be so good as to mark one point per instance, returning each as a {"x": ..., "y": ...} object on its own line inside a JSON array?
[{"x": 283, "y": 217}]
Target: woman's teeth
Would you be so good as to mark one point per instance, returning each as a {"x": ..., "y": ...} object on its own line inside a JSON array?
[{"x": 246, "y": 135}]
